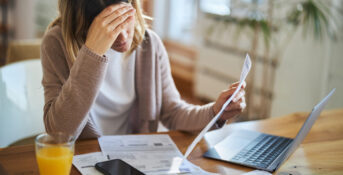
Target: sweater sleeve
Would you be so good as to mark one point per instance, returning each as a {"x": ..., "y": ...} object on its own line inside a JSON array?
[
  {"x": 69, "y": 98},
  {"x": 176, "y": 113}
]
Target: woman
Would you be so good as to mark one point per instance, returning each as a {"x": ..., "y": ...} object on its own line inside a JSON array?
[{"x": 105, "y": 73}]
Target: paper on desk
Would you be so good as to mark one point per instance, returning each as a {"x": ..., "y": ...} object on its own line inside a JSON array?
[
  {"x": 151, "y": 154},
  {"x": 257, "y": 172},
  {"x": 244, "y": 74},
  {"x": 85, "y": 163}
]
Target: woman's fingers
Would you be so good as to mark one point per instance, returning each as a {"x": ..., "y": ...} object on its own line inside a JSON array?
[
  {"x": 230, "y": 114},
  {"x": 121, "y": 27},
  {"x": 117, "y": 14},
  {"x": 225, "y": 95},
  {"x": 110, "y": 9},
  {"x": 237, "y": 83},
  {"x": 121, "y": 19},
  {"x": 234, "y": 84},
  {"x": 237, "y": 105},
  {"x": 240, "y": 94}
]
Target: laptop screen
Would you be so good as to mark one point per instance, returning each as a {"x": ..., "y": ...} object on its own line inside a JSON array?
[{"x": 306, "y": 126}]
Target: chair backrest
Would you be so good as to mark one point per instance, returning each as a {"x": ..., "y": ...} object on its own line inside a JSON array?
[
  {"x": 21, "y": 101},
  {"x": 21, "y": 50}
]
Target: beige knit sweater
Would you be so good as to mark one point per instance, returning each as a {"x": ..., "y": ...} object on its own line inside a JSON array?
[{"x": 71, "y": 88}]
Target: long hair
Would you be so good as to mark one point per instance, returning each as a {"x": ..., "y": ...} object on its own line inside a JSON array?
[{"x": 76, "y": 16}]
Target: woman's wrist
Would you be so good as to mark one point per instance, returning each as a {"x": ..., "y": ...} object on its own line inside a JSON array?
[
  {"x": 94, "y": 55},
  {"x": 94, "y": 50},
  {"x": 220, "y": 122}
]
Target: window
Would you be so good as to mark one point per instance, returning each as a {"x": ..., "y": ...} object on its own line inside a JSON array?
[
  {"x": 218, "y": 7},
  {"x": 182, "y": 20},
  {"x": 175, "y": 19},
  {"x": 46, "y": 12}
]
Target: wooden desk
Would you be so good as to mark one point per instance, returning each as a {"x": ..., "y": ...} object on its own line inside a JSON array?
[{"x": 320, "y": 153}]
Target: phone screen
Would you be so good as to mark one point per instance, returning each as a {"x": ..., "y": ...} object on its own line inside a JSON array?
[{"x": 117, "y": 166}]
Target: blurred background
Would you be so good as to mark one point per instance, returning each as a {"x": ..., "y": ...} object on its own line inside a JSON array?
[{"x": 296, "y": 47}]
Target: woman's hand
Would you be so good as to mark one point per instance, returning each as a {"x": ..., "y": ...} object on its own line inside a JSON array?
[
  {"x": 236, "y": 106},
  {"x": 106, "y": 27}
]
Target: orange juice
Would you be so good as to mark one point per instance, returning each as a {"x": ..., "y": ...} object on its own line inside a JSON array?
[{"x": 54, "y": 160}]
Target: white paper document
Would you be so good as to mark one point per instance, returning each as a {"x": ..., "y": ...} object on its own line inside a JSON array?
[
  {"x": 85, "y": 163},
  {"x": 257, "y": 172},
  {"x": 245, "y": 70},
  {"x": 151, "y": 154}
]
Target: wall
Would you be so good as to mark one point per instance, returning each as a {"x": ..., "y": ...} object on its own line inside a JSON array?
[
  {"x": 334, "y": 77},
  {"x": 302, "y": 78},
  {"x": 24, "y": 19},
  {"x": 30, "y": 17}
]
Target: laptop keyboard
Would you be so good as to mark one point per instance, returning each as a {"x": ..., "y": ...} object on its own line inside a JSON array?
[{"x": 262, "y": 151}]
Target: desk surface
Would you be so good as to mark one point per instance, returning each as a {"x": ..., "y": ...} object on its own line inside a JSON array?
[{"x": 320, "y": 153}]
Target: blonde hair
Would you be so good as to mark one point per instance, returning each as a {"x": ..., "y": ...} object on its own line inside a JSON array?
[{"x": 76, "y": 16}]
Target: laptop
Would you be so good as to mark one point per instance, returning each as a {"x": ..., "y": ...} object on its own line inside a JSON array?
[{"x": 263, "y": 151}]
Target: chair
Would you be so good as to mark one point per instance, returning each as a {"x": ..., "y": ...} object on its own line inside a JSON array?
[
  {"x": 23, "y": 50},
  {"x": 21, "y": 101}
]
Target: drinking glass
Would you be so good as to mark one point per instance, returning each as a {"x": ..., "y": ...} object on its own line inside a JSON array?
[{"x": 54, "y": 153}]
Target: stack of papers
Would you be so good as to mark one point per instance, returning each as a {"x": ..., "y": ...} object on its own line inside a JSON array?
[{"x": 151, "y": 154}]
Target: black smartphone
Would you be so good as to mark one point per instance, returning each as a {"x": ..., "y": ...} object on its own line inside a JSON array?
[{"x": 117, "y": 167}]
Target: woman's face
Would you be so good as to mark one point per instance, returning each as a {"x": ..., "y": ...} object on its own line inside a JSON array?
[{"x": 124, "y": 40}]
